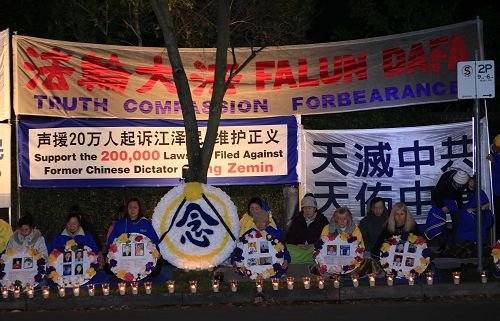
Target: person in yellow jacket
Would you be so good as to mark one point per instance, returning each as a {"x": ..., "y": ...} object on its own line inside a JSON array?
[
  {"x": 255, "y": 205},
  {"x": 342, "y": 221},
  {"x": 5, "y": 234}
]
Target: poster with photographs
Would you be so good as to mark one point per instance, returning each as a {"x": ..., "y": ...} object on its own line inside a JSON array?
[
  {"x": 132, "y": 256},
  {"x": 72, "y": 264},
  {"x": 339, "y": 254},
  {"x": 496, "y": 255},
  {"x": 21, "y": 266},
  {"x": 259, "y": 255},
  {"x": 404, "y": 255}
]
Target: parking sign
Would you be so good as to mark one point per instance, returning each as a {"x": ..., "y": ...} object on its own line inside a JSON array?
[{"x": 476, "y": 79}]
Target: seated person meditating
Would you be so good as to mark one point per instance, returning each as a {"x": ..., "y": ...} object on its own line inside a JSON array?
[
  {"x": 133, "y": 222},
  {"x": 254, "y": 205},
  {"x": 400, "y": 221},
  {"x": 28, "y": 236},
  {"x": 371, "y": 226},
  {"x": 304, "y": 231},
  {"x": 342, "y": 221},
  {"x": 466, "y": 241},
  {"x": 262, "y": 224},
  {"x": 74, "y": 231}
]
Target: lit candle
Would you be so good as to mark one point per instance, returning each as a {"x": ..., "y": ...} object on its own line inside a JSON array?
[
  {"x": 76, "y": 289},
  {"x": 198, "y": 267},
  {"x": 61, "y": 290},
  {"x": 336, "y": 282},
  {"x": 234, "y": 285},
  {"x": 30, "y": 291},
  {"x": 91, "y": 289},
  {"x": 5, "y": 292},
  {"x": 122, "y": 287},
  {"x": 17, "y": 292},
  {"x": 45, "y": 291},
  {"x": 210, "y": 267},
  {"x": 390, "y": 279},
  {"x": 192, "y": 286},
  {"x": 171, "y": 286},
  {"x": 148, "y": 286},
  {"x": 289, "y": 282},
  {"x": 321, "y": 282},
  {"x": 186, "y": 267},
  {"x": 276, "y": 283},
  {"x": 456, "y": 277},
  {"x": 105, "y": 288},
  {"x": 258, "y": 285},
  {"x": 355, "y": 281},
  {"x": 484, "y": 278},
  {"x": 429, "y": 276},
  {"x": 371, "y": 279},
  {"x": 215, "y": 285},
  {"x": 135, "y": 288},
  {"x": 411, "y": 279},
  {"x": 307, "y": 282}
]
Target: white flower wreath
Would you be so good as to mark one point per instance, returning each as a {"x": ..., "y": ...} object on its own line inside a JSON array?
[
  {"x": 340, "y": 254},
  {"x": 132, "y": 256},
  {"x": 72, "y": 264},
  {"x": 198, "y": 225},
  {"x": 404, "y": 254},
  {"x": 259, "y": 255},
  {"x": 21, "y": 266}
]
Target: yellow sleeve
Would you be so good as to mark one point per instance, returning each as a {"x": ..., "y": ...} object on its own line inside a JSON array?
[
  {"x": 5, "y": 234},
  {"x": 326, "y": 230},
  {"x": 357, "y": 233},
  {"x": 246, "y": 223}
]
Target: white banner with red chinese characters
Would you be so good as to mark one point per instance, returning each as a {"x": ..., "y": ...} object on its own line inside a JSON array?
[
  {"x": 69, "y": 79},
  {"x": 4, "y": 75},
  {"x": 112, "y": 152},
  {"x": 5, "y": 165},
  {"x": 349, "y": 167}
]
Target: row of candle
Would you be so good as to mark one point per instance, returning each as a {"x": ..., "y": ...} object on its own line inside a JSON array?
[{"x": 216, "y": 285}]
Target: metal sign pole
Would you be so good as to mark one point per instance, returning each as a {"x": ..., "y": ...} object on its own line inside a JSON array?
[{"x": 477, "y": 182}]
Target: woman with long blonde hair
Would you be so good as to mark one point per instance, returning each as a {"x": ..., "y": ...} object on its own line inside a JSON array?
[{"x": 400, "y": 221}]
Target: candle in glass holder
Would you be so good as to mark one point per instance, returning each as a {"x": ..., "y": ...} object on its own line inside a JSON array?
[
  {"x": 17, "y": 292},
  {"x": 45, "y": 291},
  {"x": 276, "y": 283},
  {"x": 355, "y": 281},
  {"x": 148, "y": 286},
  {"x": 171, "y": 286},
  {"x": 321, "y": 282},
  {"x": 135, "y": 288},
  {"x": 30, "y": 291},
  {"x": 234, "y": 285},
  {"x": 215, "y": 285},
  {"x": 122, "y": 287},
  {"x": 289, "y": 282},
  {"x": 210, "y": 267},
  {"x": 430, "y": 278},
  {"x": 198, "y": 267},
  {"x": 105, "y": 288},
  {"x": 411, "y": 279},
  {"x": 91, "y": 289},
  {"x": 390, "y": 279},
  {"x": 336, "y": 282},
  {"x": 371, "y": 279},
  {"x": 61, "y": 291},
  {"x": 484, "y": 278},
  {"x": 456, "y": 277},
  {"x": 5, "y": 292},
  {"x": 258, "y": 285},
  {"x": 193, "y": 285},
  {"x": 76, "y": 289},
  {"x": 307, "y": 282}
]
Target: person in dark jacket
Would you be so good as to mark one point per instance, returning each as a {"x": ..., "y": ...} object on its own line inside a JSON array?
[
  {"x": 451, "y": 186},
  {"x": 305, "y": 230},
  {"x": 371, "y": 226}
]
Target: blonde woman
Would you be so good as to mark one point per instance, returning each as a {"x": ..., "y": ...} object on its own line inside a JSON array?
[
  {"x": 400, "y": 221},
  {"x": 342, "y": 221}
]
